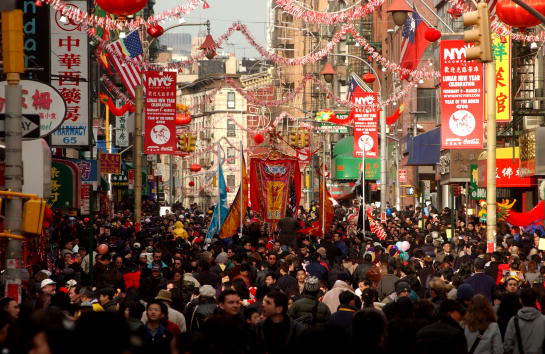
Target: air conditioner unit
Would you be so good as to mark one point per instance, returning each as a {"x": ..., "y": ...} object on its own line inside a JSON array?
[{"x": 532, "y": 122}]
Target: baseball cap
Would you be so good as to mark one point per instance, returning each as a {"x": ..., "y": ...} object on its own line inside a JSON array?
[{"x": 46, "y": 282}]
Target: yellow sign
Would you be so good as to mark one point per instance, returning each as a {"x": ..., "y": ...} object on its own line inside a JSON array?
[{"x": 501, "y": 48}]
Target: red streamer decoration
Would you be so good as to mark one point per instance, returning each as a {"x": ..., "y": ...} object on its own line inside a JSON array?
[{"x": 106, "y": 100}]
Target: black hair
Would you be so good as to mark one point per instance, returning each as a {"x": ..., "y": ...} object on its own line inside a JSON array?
[
  {"x": 280, "y": 299},
  {"x": 164, "y": 308},
  {"x": 109, "y": 292},
  {"x": 136, "y": 309},
  {"x": 528, "y": 297},
  {"x": 223, "y": 295},
  {"x": 451, "y": 306},
  {"x": 346, "y": 296}
]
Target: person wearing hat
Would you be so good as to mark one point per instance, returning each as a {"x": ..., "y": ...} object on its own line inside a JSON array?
[
  {"x": 48, "y": 288},
  {"x": 315, "y": 268},
  {"x": 308, "y": 310},
  {"x": 201, "y": 308},
  {"x": 173, "y": 315},
  {"x": 152, "y": 283}
]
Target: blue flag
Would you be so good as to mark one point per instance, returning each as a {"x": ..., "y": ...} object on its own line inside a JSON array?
[{"x": 222, "y": 209}]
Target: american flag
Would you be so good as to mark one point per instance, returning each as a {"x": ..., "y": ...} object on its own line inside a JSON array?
[
  {"x": 131, "y": 47},
  {"x": 492, "y": 8},
  {"x": 376, "y": 227}
]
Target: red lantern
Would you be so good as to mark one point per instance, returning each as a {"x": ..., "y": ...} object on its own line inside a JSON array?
[
  {"x": 156, "y": 30},
  {"x": 191, "y": 183},
  {"x": 183, "y": 119},
  {"x": 122, "y": 7},
  {"x": 92, "y": 30},
  {"x": 259, "y": 138},
  {"x": 103, "y": 249},
  {"x": 432, "y": 34},
  {"x": 195, "y": 167},
  {"x": 369, "y": 78},
  {"x": 513, "y": 15}
]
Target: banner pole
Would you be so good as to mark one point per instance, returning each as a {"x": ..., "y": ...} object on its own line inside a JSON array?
[
  {"x": 241, "y": 188},
  {"x": 323, "y": 189},
  {"x": 490, "y": 72},
  {"x": 219, "y": 191}
]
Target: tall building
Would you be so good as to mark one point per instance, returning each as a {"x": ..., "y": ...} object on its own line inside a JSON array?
[{"x": 178, "y": 43}]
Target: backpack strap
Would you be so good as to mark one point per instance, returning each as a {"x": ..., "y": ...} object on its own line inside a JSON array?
[
  {"x": 476, "y": 342},
  {"x": 519, "y": 338}
]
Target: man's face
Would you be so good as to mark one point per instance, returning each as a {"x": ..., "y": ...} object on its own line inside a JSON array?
[
  {"x": 272, "y": 259},
  {"x": 74, "y": 297},
  {"x": 13, "y": 309},
  {"x": 270, "y": 308},
  {"x": 103, "y": 299},
  {"x": 512, "y": 286},
  {"x": 154, "y": 312},
  {"x": 231, "y": 305},
  {"x": 248, "y": 246},
  {"x": 157, "y": 256},
  {"x": 301, "y": 276},
  {"x": 118, "y": 262},
  {"x": 49, "y": 289},
  {"x": 446, "y": 247},
  {"x": 269, "y": 280},
  {"x": 177, "y": 263}
]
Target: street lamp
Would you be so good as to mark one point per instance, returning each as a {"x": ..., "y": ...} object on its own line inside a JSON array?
[
  {"x": 328, "y": 72},
  {"x": 399, "y": 10}
]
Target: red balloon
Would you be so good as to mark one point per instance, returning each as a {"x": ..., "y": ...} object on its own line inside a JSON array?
[
  {"x": 183, "y": 119},
  {"x": 432, "y": 34},
  {"x": 514, "y": 15},
  {"x": 103, "y": 249},
  {"x": 369, "y": 78},
  {"x": 259, "y": 138},
  {"x": 191, "y": 183},
  {"x": 122, "y": 7},
  {"x": 155, "y": 30},
  {"x": 195, "y": 167}
]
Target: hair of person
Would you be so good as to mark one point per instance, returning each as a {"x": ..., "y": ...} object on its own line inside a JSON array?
[
  {"x": 223, "y": 295},
  {"x": 164, "y": 308},
  {"x": 369, "y": 326},
  {"x": 528, "y": 297},
  {"x": 369, "y": 296},
  {"x": 4, "y": 302},
  {"x": 136, "y": 309},
  {"x": 479, "y": 314},
  {"x": 249, "y": 311},
  {"x": 346, "y": 296},
  {"x": 280, "y": 299},
  {"x": 449, "y": 305},
  {"x": 107, "y": 292}
]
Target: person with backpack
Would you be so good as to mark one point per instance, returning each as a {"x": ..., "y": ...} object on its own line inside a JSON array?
[
  {"x": 201, "y": 308},
  {"x": 526, "y": 330},
  {"x": 480, "y": 328},
  {"x": 308, "y": 310}
]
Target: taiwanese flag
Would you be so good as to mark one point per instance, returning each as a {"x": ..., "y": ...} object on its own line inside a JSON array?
[{"x": 414, "y": 43}]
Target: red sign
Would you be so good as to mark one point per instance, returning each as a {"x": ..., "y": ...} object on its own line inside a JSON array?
[
  {"x": 507, "y": 174},
  {"x": 85, "y": 199},
  {"x": 462, "y": 111},
  {"x": 402, "y": 176},
  {"x": 110, "y": 163},
  {"x": 365, "y": 124},
  {"x": 130, "y": 178},
  {"x": 160, "y": 108}
]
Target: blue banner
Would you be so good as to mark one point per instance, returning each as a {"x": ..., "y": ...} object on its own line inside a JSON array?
[
  {"x": 88, "y": 170},
  {"x": 222, "y": 209}
]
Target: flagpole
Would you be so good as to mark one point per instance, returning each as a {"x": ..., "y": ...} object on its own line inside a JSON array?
[
  {"x": 219, "y": 191},
  {"x": 323, "y": 190},
  {"x": 241, "y": 188},
  {"x": 363, "y": 214}
]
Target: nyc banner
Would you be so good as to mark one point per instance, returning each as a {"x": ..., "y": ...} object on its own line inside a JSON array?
[
  {"x": 365, "y": 124},
  {"x": 462, "y": 96}
]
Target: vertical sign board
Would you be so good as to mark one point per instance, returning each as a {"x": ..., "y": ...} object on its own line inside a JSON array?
[
  {"x": 462, "y": 98},
  {"x": 160, "y": 109},
  {"x": 36, "y": 30},
  {"x": 501, "y": 47},
  {"x": 366, "y": 124},
  {"x": 70, "y": 64},
  {"x": 121, "y": 131}
]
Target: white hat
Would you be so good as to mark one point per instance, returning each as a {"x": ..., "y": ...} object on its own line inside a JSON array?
[{"x": 46, "y": 282}]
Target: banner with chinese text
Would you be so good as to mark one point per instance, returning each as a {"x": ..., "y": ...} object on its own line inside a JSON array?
[
  {"x": 70, "y": 72},
  {"x": 65, "y": 185},
  {"x": 110, "y": 163},
  {"x": 475, "y": 192},
  {"x": 365, "y": 124},
  {"x": 501, "y": 47},
  {"x": 160, "y": 109},
  {"x": 462, "y": 98}
]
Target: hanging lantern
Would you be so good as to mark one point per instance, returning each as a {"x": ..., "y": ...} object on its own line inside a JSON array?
[
  {"x": 259, "y": 138},
  {"x": 328, "y": 72},
  {"x": 122, "y": 7},
  {"x": 195, "y": 167},
  {"x": 513, "y": 15},
  {"x": 209, "y": 46},
  {"x": 205, "y": 5},
  {"x": 156, "y": 30},
  {"x": 183, "y": 118},
  {"x": 432, "y": 34},
  {"x": 191, "y": 183},
  {"x": 368, "y": 78}
]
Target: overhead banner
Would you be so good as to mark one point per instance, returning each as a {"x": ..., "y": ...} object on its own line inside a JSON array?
[
  {"x": 462, "y": 98},
  {"x": 365, "y": 124},
  {"x": 70, "y": 75},
  {"x": 501, "y": 47},
  {"x": 160, "y": 109}
]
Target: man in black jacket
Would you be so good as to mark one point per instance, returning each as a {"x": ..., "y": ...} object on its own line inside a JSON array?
[{"x": 444, "y": 336}]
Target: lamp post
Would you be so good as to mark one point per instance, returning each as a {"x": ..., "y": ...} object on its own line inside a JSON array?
[
  {"x": 399, "y": 10},
  {"x": 382, "y": 122}
]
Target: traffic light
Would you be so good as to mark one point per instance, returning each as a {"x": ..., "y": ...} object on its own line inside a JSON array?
[
  {"x": 304, "y": 138},
  {"x": 479, "y": 34},
  {"x": 191, "y": 142},
  {"x": 33, "y": 216},
  {"x": 12, "y": 42},
  {"x": 182, "y": 142},
  {"x": 293, "y": 138}
]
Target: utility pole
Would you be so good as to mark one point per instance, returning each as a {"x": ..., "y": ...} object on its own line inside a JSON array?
[
  {"x": 138, "y": 157},
  {"x": 12, "y": 49},
  {"x": 482, "y": 51}
]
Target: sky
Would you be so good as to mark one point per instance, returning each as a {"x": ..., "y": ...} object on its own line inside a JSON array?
[{"x": 222, "y": 13}]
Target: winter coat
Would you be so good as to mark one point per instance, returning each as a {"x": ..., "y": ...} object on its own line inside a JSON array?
[
  {"x": 331, "y": 298},
  {"x": 490, "y": 342},
  {"x": 263, "y": 339},
  {"x": 386, "y": 286},
  {"x": 444, "y": 336},
  {"x": 317, "y": 270},
  {"x": 482, "y": 284},
  {"x": 343, "y": 318},
  {"x": 304, "y": 306},
  {"x": 532, "y": 332}
]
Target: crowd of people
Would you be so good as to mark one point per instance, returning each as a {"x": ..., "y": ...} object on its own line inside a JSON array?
[{"x": 427, "y": 287}]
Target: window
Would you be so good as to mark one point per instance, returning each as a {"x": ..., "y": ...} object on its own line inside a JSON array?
[
  {"x": 426, "y": 102},
  {"x": 231, "y": 181},
  {"x": 231, "y": 129},
  {"x": 230, "y": 100},
  {"x": 231, "y": 155}
]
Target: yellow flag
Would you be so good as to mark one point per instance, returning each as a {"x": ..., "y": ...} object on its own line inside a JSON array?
[{"x": 232, "y": 221}]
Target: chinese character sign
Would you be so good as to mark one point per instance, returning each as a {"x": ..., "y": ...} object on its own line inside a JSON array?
[
  {"x": 508, "y": 174},
  {"x": 501, "y": 47},
  {"x": 160, "y": 109},
  {"x": 69, "y": 62},
  {"x": 462, "y": 98},
  {"x": 365, "y": 124},
  {"x": 110, "y": 163},
  {"x": 121, "y": 131}
]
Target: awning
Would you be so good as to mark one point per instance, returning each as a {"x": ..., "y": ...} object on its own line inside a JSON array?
[{"x": 424, "y": 149}]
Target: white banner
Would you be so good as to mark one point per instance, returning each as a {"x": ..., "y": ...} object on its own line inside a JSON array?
[
  {"x": 121, "y": 131},
  {"x": 70, "y": 76}
]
